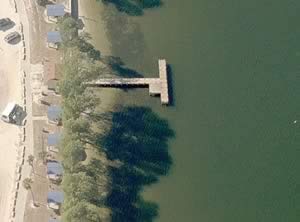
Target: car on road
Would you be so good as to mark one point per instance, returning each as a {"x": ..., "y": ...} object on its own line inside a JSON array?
[
  {"x": 4, "y": 22},
  {"x": 12, "y": 36}
]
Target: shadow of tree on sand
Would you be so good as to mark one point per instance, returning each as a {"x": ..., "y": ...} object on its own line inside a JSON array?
[
  {"x": 138, "y": 140},
  {"x": 134, "y": 7}
]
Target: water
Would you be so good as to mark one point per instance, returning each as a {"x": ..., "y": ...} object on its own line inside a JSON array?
[{"x": 236, "y": 74}]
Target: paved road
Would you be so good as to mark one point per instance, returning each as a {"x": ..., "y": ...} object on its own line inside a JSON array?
[{"x": 26, "y": 170}]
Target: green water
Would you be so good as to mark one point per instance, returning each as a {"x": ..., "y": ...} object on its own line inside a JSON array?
[{"x": 236, "y": 75}]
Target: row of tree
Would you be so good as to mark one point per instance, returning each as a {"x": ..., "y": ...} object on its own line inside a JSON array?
[{"x": 84, "y": 182}]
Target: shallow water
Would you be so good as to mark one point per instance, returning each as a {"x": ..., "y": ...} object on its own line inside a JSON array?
[{"x": 236, "y": 74}]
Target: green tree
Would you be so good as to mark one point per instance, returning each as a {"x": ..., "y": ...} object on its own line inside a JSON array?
[
  {"x": 81, "y": 129},
  {"x": 73, "y": 153},
  {"x": 68, "y": 27},
  {"x": 69, "y": 31},
  {"x": 77, "y": 97},
  {"x": 80, "y": 186},
  {"x": 82, "y": 211}
]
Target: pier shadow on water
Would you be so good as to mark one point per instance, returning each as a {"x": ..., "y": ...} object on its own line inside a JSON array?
[
  {"x": 170, "y": 85},
  {"x": 138, "y": 140},
  {"x": 134, "y": 7}
]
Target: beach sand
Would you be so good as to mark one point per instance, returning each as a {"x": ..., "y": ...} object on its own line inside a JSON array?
[{"x": 10, "y": 90}]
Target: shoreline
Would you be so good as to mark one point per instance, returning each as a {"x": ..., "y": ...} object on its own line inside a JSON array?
[{"x": 101, "y": 42}]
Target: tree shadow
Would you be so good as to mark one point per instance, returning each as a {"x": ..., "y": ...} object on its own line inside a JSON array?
[
  {"x": 134, "y": 7},
  {"x": 118, "y": 67},
  {"x": 126, "y": 38},
  {"x": 138, "y": 139},
  {"x": 86, "y": 47}
]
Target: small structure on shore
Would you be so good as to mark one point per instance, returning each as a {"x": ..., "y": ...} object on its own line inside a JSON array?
[
  {"x": 52, "y": 75},
  {"x": 55, "y": 11},
  {"x": 54, "y": 114},
  {"x": 53, "y": 39},
  {"x": 54, "y": 171},
  {"x": 53, "y": 141},
  {"x": 55, "y": 199}
]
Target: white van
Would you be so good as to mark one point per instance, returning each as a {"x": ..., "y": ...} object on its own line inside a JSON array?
[{"x": 9, "y": 113}]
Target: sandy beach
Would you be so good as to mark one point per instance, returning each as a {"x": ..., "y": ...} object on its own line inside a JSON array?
[{"x": 10, "y": 90}]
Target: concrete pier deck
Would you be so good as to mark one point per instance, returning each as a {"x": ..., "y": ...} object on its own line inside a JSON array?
[{"x": 157, "y": 86}]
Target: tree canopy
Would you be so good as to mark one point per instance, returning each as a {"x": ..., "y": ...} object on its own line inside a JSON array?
[{"x": 82, "y": 211}]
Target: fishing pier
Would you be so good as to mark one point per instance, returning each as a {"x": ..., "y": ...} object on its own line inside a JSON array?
[{"x": 157, "y": 86}]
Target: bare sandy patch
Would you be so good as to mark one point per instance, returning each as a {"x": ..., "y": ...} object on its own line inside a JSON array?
[{"x": 10, "y": 90}]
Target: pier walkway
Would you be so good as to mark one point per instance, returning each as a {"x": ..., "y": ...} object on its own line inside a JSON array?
[{"x": 157, "y": 86}]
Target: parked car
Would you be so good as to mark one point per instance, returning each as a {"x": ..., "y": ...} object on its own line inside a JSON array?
[
  {"x": 5, "y": 21},
  {"x": 11, "y": 36},
  {"x": 9, "y": 113}
]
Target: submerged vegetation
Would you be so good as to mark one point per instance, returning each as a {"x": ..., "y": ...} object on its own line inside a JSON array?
[
  {"x": 134, "y": 7},
  {"x": 131, "y": 153}
]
